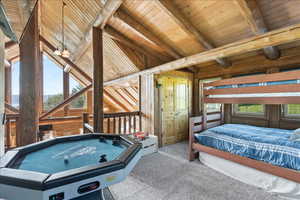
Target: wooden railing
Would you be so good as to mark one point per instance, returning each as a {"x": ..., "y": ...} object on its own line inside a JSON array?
[
  {"x": 117, "y": 123},
  {"x": 114, "y": 123}
]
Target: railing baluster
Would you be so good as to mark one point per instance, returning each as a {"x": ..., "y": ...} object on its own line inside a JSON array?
[
  {"x": 124, "y": 123},
  {"x": 130, "y": 125},
  {"x": 114, "y": 122},
  {"x": 108, "y": 125},
  {"x": 120, "y": 122},
  {"x": 134, "y": 123}
]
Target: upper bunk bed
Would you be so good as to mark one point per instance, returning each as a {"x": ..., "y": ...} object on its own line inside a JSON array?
[{"x": 266, "y": 149}]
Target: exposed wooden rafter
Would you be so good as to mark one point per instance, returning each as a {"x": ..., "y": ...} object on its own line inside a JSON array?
[
  {"x": 273, "y": 38},
  {"x": 125, "y": 18},
  {"x": 187, "y": 26},
  {"x": 109, "y": 8},
  {"x": 290, "y": 58},
  {"x": 130, "y": 21},
  {"x": 115, "y": 35},
  {"x": 252, "y": 14}
]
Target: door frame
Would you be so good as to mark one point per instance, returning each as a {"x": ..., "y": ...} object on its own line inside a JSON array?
[{"x": 158, "y": 99}]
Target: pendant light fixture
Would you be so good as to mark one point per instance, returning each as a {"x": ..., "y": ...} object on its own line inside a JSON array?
[{"x": 64, "y": 52}]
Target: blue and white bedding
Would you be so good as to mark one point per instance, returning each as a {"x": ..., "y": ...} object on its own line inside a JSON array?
[{"x": 265, "y": 144}]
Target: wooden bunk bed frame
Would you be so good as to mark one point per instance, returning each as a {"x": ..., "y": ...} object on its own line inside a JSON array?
[{"x": 209, "y": 120}]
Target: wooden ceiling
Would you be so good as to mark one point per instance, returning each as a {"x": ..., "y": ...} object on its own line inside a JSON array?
[{"x": 146, "y": 33}]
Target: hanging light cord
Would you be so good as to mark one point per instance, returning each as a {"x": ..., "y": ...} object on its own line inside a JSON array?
[{"x": 63, "y": 25}]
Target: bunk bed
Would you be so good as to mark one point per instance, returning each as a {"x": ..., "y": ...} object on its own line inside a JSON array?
[{"x": 267, "y": 150}]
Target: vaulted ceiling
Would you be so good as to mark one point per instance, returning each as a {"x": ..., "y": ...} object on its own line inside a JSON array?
[{"x": 146, "y": 33}]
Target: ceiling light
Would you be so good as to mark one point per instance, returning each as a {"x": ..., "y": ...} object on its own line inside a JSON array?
[{"x": 65, "y": 53}]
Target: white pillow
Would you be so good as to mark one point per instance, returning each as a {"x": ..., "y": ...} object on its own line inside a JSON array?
[{"x": 296, "y": 135}]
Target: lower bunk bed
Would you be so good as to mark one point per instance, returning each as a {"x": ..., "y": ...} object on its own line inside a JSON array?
[{"x": 263, "y": 157}]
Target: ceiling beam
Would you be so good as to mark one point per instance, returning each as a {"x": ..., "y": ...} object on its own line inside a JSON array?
[
  {"x": 252, "y": 14},
  {"x": 125, "y": 18},
  {"x": 109, "y": 8},
  {"x": 273, "y": 38},
  {"x": 134, "y": 24},
  {"x": 115, "y": 35},
  {"x": 290, "y": 58},
  {"x": 169, "y": 8}
]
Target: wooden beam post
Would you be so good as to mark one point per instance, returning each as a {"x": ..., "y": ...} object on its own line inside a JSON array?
[
  {"x": 29, "y": 85},
  {"x": 41, "y": 84},
  {"x": 66, "y": 92},
  {"x": 98, "y": 79},
  {"x": 2, "y": 93},
  {"x": 8, "y": 91},
  {"x": 140, "y": 103},
  {"x": 147, "y": 103},
  {"x": 196, "y": 97}
]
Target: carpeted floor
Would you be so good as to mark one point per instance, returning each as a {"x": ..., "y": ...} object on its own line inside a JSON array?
[{"x": 167, "y": 175}]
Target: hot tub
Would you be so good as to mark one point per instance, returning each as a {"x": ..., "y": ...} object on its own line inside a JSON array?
[{"x": 67, "y": 167}]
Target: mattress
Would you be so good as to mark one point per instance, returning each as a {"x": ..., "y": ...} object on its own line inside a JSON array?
[{"x": 264, "y": 144}]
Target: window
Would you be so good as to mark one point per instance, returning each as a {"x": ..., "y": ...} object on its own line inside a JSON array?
[
  {"x": 250, "y": 109},
  {"x": 15, "y": 84},
  {"x": 79, "y": 102},
  {"x": 211, "y": 107},
  {"x": 53, "y": 84},
  {"x": 292, "y": 110}
]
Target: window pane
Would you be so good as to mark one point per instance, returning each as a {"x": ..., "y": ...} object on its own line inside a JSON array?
[
  {"x": 293, "y": 109},
  {"x": 15, "y": 78},
  {"x": 53, "y": 84},
  {"x": 75, "y": 87},
  {"x": 213, "y": 107},
  {"x": 249, "y": 108}
]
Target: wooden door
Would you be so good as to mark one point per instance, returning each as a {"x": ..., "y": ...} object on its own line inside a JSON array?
[{"x": 175, "y": 104}]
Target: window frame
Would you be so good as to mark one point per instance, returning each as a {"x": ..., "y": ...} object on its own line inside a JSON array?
[
  {"x": 284, "y": 111},
  {"x": 235, "y": 112}
]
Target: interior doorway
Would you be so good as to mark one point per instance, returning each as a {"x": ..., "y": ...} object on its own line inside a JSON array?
[{"x": 174, "y": 97}]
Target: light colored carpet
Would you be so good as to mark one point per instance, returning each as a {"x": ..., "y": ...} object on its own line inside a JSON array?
[{"x": 167, "y": 175}]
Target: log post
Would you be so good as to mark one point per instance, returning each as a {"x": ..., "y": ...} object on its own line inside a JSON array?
[
  {"x": 29, "y": 84},
  {"x": 98, "y": 79},
  {"x": 66, "y": 92},
  {"x": 140, "y": 103},
  {"x": 2, "y": 92},
  {"x": 147, "y": 103},
  {"x": 8, "y": 91}
]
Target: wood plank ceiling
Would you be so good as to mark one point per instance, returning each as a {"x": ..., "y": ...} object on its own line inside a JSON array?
[{"x": 147, "y": 33}]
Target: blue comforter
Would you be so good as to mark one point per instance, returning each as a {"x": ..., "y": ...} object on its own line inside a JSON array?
[{"x": 265, "y": 144}]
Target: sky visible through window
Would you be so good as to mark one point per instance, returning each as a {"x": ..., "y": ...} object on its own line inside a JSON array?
[{"x": 53, "y": 80}]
